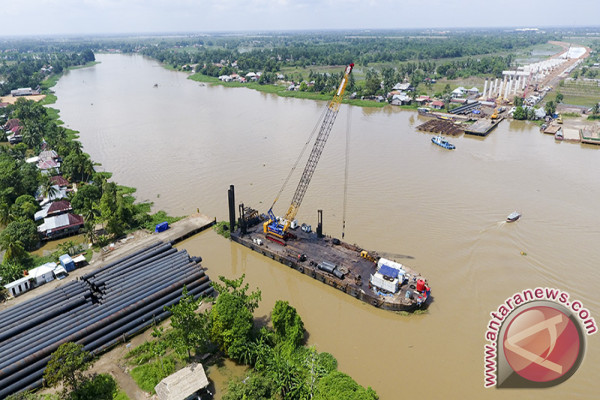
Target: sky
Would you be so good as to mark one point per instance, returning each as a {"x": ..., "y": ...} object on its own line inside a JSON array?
[{"x": 59, "y": 17}]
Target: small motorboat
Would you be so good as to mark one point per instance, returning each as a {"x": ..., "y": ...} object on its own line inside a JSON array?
[
  {"x": 513, "y": 216},
  {"x": 441, "y": 141},
  {"x": 559, "y": 135}
]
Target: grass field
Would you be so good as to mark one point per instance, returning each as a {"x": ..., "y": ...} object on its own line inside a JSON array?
[{"x": 579, "y": 94}]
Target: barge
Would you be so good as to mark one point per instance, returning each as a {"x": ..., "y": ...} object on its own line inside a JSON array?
[{"x": 362, "y": 274}]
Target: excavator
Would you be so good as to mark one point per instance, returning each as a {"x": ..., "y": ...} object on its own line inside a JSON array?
[
  {"x": 277, "y": 229},
  {"x": 495, "y": 114}
]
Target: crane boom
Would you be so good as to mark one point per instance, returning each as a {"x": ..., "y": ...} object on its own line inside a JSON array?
[{"x": 272, "y": 226}]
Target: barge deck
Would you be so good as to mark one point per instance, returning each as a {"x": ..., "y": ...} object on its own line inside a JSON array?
[
  {"x": 483, "y": 127},
  {"x": 307, "y": 250}
]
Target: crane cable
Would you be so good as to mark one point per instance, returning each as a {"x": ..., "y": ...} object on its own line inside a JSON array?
[
  {"x": 319, "y": 121},
  {"x": 346, "y": 170}
]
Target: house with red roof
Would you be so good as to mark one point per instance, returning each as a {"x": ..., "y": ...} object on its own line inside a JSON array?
[
  {"x": 438, "y": 105},
  {"x": 59, "y": 181},
  {"x": 53, "y": 209},
  {"x": 60, "y": 226}
]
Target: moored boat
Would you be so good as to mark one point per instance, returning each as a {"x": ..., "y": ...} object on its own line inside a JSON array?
[
  {"x": 441, "y": 141},
  {"x": 513, "y": 216}
]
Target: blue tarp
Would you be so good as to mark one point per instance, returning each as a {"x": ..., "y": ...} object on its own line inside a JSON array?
[
  {"x": 388, "y": 271},
  {"x": 163, "y": 226}
]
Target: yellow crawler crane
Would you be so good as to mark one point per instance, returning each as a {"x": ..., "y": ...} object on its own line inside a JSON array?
[{"x": 273, "y": 228}]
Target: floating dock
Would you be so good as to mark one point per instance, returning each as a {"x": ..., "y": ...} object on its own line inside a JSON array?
[
  {"x": 482, "y": 127},
  {"x": 590, "y": 135}
]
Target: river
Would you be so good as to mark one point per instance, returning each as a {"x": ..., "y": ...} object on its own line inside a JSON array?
[{"x": 181, "y": 144}]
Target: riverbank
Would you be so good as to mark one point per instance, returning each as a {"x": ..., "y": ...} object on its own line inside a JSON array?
[
  {"x": 141, "y": 210},
  {"x": 282, "y": 91}
]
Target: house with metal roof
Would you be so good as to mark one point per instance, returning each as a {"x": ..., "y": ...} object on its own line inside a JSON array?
[
  {"x": 59, "y": 180},
  {"x": 53, "y": 209},
  {"x": 60, "y": 225},
  {"x": 184, "y": 384}
]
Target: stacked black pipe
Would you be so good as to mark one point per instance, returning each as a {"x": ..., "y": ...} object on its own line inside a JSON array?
[{"x": 98, "y": 310}]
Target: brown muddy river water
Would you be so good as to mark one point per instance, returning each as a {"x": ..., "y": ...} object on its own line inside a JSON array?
[{"x": 441, "y": 212}]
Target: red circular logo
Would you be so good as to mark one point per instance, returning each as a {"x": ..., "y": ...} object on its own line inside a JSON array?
[{"x": 541, "y": 344}]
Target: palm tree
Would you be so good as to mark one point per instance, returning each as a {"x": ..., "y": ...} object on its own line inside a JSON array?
[
  {"x": 14, "y": 248},
  {"x": 6, "y": 214},
  {"x": 32, "y": 134},
  {"x": 90, "y": 231},
  {"x": 47, "y": 188}
]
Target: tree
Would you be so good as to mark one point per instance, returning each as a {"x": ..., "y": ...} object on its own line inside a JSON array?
[
  {"x": 68, "y": 247},
  {"x": 90, "y": 230},
  {"x": 518, "y": 101},
  {"x": 231, "y": 324},
  {"x": 447, "y": 89},
  {"x": 234, "y": 286},
  {"x": 86, "y": 197},
  {"x": 10, "y": 271},
  {"x": 550, "y": 107},
  {"x": 559, "y": 97},
  {"x": 339, "y": 386},
  {"x": 99, "y": 387},
  {"x": 289, "y": 329},
  {"x": 33, "y": 133},
  {"x": 77, "y": 166},
  {"x": 67, "y": 365},
  {"x": 372, "y": 82},
  {"x": 47, "y": 187},
  {"x": 520, "y": 113},
  {"x": 190, "y": 328},
  {"x": 255, "y": 386},
  {"x": 7, "y": 213},
  {"x": 25, "y": 206},
  {"x": 18, "y": 237},
  {"x": 317, "y": 366}
]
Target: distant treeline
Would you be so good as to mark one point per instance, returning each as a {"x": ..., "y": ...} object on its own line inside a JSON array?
[
  {"x": 22, "y": 67},
  {"x": 273, "y": 53}
]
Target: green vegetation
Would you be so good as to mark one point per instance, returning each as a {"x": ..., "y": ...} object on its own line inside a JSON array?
[
  {"x": 222, "y": 228},
  {"x": 147, "y": 376},
  {"x": 578, "y": 93},
  {"x": 339, "y": 386},
  {"x": 281, "y": 366},
  {"x": 31, "y": 67},
  {"x": 67, "y": 365},
  {"x": 190, "y": 329}
]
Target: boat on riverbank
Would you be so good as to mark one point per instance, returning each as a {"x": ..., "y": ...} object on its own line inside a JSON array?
[{"x": 442, "y": 142}]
